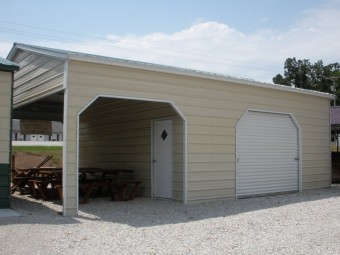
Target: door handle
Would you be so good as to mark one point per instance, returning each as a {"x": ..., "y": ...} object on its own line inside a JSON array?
[{"x": 154, "y": 161}]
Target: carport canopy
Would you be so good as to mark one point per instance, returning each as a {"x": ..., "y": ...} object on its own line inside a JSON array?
[{"x": 50, "y": 107}]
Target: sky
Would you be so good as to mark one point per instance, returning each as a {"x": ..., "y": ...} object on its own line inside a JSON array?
[{"x": 245, "y": 38}]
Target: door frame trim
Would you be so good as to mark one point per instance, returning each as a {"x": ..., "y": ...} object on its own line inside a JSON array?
[{"x": 299, "y": 147}]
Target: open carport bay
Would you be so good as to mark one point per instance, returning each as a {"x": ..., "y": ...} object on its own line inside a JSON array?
[{"x": 118, "y": 133}]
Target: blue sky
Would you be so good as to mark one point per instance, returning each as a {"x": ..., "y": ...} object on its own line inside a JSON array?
[{"x": 244, "y": 38}]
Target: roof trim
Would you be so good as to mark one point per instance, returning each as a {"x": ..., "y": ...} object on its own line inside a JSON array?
[
  {"x": 63, "y": 54},
  {"x": 36, "y": 49},
  {"x": 7, "y": 65}
]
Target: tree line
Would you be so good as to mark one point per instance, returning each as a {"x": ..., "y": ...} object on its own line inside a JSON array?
[{"x": 313, "y": 76}]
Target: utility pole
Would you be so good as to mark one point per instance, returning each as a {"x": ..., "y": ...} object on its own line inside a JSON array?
[
  {"x": 333, "y": 87},
  {"x": 334, "y": 90}
]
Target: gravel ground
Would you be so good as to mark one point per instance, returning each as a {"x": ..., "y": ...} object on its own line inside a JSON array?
[{"x": 302, "y": 223}]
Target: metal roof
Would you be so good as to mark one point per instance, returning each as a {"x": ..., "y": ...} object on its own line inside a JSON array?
[
  {"x": 6, "y": 65},
  {"x": 71, "y": 55},
  {"x": 335, "y": 115}
]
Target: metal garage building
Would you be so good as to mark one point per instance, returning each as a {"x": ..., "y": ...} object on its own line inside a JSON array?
[
  {"x": 7, "y": 69},
  {"x": 191, "y": 136}
]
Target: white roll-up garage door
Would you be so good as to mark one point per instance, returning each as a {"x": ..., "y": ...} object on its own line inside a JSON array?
[{"x": 267, "y": 154}]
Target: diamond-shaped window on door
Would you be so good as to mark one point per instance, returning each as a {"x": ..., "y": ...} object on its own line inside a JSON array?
[{"x": 164, "y": 135}]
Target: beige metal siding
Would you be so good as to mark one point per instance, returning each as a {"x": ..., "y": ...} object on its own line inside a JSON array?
[
  {"x": 212, "y": 109},
  {"x": 5, "y": 116},
  {"x": 5, "y": 133},
  {"x": 39, "y": 76},
  {"x": 233, "y": 100}
]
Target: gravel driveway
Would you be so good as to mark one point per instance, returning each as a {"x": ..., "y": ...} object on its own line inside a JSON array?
[{"x": 302, "y": 223}]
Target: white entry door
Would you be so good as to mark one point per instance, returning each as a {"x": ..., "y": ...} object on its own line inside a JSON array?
[{"x": 162, "y": 158}]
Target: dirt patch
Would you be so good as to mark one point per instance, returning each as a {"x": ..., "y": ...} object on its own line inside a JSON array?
[{"x": 24, "y": 160}]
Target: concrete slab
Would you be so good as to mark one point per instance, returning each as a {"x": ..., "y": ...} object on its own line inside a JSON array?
[{"x": 8, "y": 213}]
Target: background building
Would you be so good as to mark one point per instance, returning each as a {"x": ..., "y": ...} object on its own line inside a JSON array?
[{"x": 56, "y": 132}]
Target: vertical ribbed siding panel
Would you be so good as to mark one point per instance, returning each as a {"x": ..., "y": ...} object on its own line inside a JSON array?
[{"x": 267, "y": 154}]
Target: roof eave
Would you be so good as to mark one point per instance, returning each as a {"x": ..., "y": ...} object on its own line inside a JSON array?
[
  {"x": 34, "y": 49},
  {"x": 7, "y": 65},
  {"x": 10, "y": 68}
]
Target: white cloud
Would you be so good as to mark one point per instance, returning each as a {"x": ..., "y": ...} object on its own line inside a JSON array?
[
  {"x": 316, "y": 36},
  {"x": 216, "y": 47},
  {"x": 5, "y": 48}
]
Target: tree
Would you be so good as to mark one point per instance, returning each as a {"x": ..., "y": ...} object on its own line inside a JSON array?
[
  {"x": 279, "y": 79},
  {"x": 303, "y": 74}
]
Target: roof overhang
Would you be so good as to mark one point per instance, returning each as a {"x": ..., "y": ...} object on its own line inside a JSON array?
[
  {"x": 36, "y": 49},
  {"x": 6, "y": 65}
]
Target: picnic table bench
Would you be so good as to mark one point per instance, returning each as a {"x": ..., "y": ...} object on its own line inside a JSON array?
[
  {"x": 125, "y": 190},
  {"x": 20, "y": 177},
  {"x": 108, "y": 179},
  {"x": 91, "y": 180}
]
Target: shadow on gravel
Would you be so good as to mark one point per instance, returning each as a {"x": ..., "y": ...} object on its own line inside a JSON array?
[
  {"x": 146, "y": 212},
  {"x": 35, "y": 212}
]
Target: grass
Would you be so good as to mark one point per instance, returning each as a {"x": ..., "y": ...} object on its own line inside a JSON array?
[{"x": 56, "y": 151}]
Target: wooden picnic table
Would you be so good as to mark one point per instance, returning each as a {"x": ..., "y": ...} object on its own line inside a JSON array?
[
  {"x": 21, "y": 177},
  {"x": 45, "y": 176},
  {"x": 90, "y": 180},
  {"x": 106, "y": 178}
]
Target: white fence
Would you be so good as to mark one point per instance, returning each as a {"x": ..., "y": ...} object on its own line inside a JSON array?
[{"x": 36, "y": 143}]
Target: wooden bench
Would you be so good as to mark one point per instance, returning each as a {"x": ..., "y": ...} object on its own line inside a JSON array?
[
  {"x": 90, "y": 187},
  {"x": 19, "y": 180},
  {"x": 20, "y": 183},
  {"x": 39, "y": 187},
  {"x": 20, "y": 177},
  {"x": 124, "y": 190}
]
